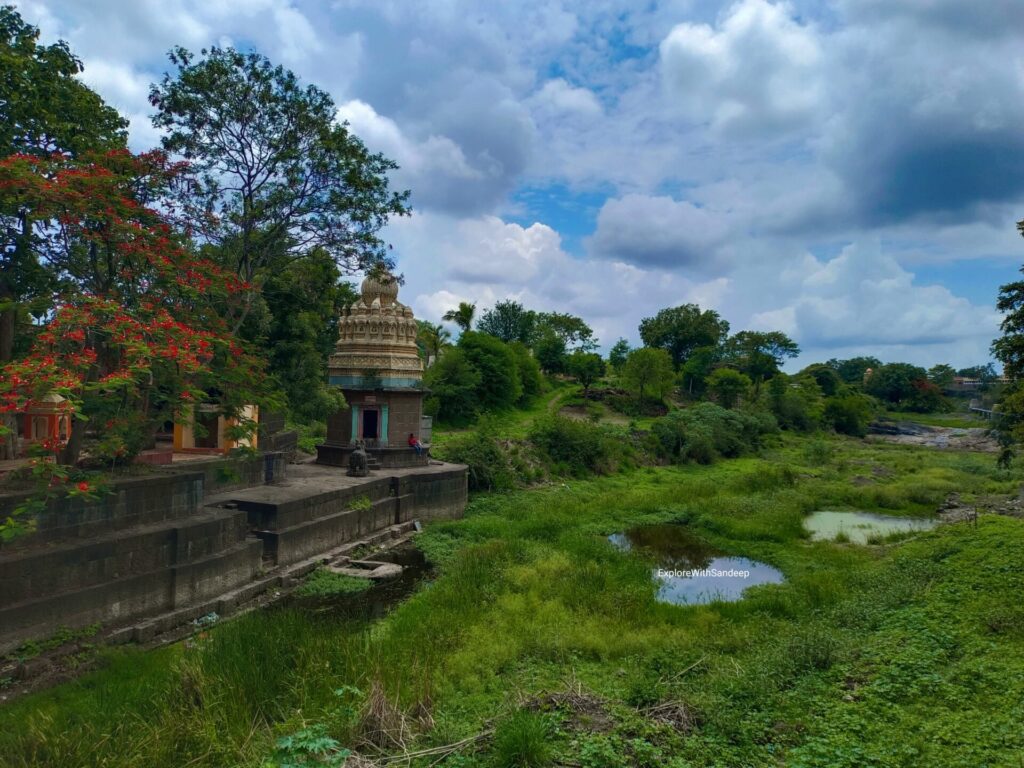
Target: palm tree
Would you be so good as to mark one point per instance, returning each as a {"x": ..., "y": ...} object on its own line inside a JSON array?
[
  {"x": 432, "y": 339},
  {"x": 462, "y": 317}
]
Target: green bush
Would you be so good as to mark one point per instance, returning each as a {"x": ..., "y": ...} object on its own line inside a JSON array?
[
  {"x": 453, "y": 384},
  {"x": 489, "y": 466},
  {"x": 309, "y": 435},
  {"x": 706, "y": 431},
  {"x": 528, "y": 369},
  {"x": 499, "y": 386},
  {"x": 849, "y": 414},
  {"x": 577, "y": 447}
]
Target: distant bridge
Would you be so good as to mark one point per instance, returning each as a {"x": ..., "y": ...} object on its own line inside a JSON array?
[{"x": 986, "y": 413}]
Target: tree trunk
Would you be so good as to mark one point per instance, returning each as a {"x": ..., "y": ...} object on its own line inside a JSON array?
[{"x": 72, "y": 449}]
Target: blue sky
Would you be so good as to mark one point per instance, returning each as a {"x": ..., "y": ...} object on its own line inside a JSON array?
[{"x": 849, "y": 172}]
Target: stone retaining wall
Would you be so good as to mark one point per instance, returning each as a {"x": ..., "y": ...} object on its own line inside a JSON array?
[{"x": 152, "y": 546}]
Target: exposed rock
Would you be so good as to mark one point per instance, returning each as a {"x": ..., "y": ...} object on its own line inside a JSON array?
[{"x": 909, "y": 433}]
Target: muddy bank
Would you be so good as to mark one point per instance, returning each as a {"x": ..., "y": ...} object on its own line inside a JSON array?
[{"x": 955, "y": 510}]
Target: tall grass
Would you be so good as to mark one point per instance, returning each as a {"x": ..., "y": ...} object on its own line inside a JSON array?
[{"x": 530, "y": 591}]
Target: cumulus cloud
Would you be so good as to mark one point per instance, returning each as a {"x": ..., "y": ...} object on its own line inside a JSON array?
[
  {"x": 925, "y": 118},
  {"x": 486, "y": 259},
  {"x": 662, "y": 232},
  {"x": 863, "y": 299},
  {"x": 756, "y": 72},
  {"x": 558, "y": 98}
]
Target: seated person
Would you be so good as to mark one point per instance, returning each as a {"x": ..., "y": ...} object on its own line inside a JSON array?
[{"x": 415, "y": 444}]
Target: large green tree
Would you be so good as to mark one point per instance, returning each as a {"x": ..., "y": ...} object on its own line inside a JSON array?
[
  {"x": 585, "y": 367},
  {"x": 648, "y": 371},
  {"x": 303, "y": 300},
  {"x": 509, "y": 321},
  {"x": 618, "y": 353},
  {"x": 681, "y": 330},
  {"x": 272, "y": 171},
  {"x": 895, "y": 382},
  {"x": 573, "y": 331},
  {"x": 760, "y": 353},
  {"x": 698, "y": 367},
  {"x": 44, "y": 106},
  {"x": 942, "y": 375},
  {"x": 454, "y": 384},
  {"x": 852, "y": 370},
  {"x": 549, "y": 349},
  {"x": 727, "y": 386},
  {"x": 500, "y": 385}
]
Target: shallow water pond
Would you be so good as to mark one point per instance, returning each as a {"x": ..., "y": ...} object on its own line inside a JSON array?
[
  {"x": 859, "y": 527},
  {"x": 688, "y": 570}
]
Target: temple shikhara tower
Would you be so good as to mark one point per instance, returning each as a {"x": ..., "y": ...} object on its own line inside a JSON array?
[{"x": 377, "y": 366}]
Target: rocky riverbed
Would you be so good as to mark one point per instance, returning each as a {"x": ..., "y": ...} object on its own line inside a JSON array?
[{"x": 956, "y": 438}]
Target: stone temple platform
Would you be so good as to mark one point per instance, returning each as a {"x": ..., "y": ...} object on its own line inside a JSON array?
[
  {"x": 319, "y": 507},
  {"x": 166, "y": 548}
]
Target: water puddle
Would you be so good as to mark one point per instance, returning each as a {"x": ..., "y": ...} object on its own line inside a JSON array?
[
  {"x": 688, "y": 570},
  {"x": 377, "y": 601},
  {"x": 860, "y": 527}
]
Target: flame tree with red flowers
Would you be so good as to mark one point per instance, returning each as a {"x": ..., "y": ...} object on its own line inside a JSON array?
[{"x": 137, "y": 330}]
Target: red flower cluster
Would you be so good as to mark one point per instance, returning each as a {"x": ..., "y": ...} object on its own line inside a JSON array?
[{"x": 143, "y": 325}]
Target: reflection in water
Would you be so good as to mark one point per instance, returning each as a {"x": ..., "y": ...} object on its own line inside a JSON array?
[
  {"x": 689, "y": 570},
  {"x": 858, "y": 527},
  {"x": 377, "y": 601}
]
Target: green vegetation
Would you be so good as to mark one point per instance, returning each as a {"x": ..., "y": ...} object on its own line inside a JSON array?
[
  {"x": 541, "y": 634},
  {"x": 953, "y": 420},
  {"x": 325, "y": 583}
]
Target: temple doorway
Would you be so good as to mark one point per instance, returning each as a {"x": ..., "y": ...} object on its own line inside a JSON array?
[{"x": 371, "y": 424}]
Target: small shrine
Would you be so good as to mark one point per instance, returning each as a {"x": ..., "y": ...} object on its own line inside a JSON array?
[
  {"x": 377, "y": 366},
  {"x": 46, "y": 421}
]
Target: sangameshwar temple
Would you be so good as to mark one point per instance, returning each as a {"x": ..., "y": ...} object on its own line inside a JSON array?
[{"x": 377, "y": 366}]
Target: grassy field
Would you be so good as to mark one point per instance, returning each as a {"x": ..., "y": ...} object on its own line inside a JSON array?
[{"x": 546, "y": 640}]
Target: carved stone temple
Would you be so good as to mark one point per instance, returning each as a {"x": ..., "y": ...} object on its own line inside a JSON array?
[{"x": 378, "y": 368}]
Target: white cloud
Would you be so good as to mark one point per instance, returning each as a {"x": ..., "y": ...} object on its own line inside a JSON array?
[
  {"x": 660, "y": 231},
  {"x": 862, "y": 299},
  {"x": 756, "y": 72},
  {"x": 558, "y": 98},
  {"x": 486, "y": 259}
]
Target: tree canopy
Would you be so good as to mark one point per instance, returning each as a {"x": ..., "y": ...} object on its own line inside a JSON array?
[
  {"x": 271, "y": 171},
  {"x": 585, "y": 367},
  {"x": 894, "y": 382},
  {"x": 681, "y": 330},
  {"x": 760, "y": 353},
  {"x": 852, "y": 370},
  {"x": 649, "y": 371},
  {"x": 727, "y": 385},
  {"x": 509, "y": 321}
]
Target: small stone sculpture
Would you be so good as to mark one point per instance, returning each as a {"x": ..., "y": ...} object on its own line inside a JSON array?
[{"x": 357, "y": 462}]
